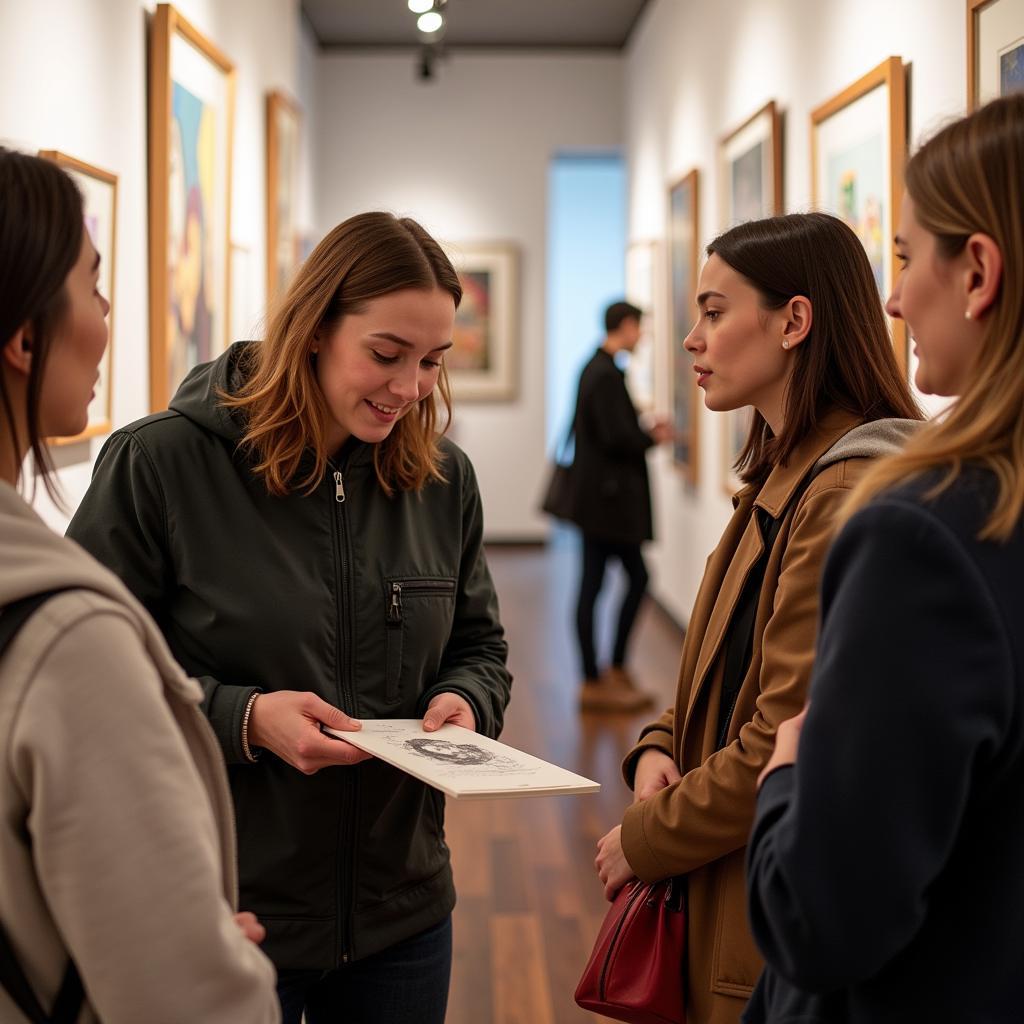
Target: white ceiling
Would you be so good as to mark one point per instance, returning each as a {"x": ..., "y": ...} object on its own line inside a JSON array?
[{"x": 533, "y": 24}]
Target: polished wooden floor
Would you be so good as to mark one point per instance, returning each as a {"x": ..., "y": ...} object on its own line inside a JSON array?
[{"x": 529, "y": 900}]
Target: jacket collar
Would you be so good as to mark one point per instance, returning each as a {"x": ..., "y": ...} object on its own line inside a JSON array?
[{"x": 783, "y": 480}]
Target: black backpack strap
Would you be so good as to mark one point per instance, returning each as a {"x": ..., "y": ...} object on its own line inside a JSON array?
[
  {"x": 68, "y": 1004},
  {"x": 740, "y": 639}
]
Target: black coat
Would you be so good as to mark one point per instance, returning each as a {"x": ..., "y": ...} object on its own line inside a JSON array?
[
  {"x": 610, "y": 486},
  {"x": 886, "y": 869},
  {"x": 298, "y": 593}
]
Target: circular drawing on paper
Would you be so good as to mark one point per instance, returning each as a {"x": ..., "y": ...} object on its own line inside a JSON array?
[{"x": 448, "y": 752}]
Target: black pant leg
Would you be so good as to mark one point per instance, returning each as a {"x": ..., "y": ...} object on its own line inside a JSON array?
[
  {"x": 636, "y": 570},
  {"x": 594, "y": 555}
]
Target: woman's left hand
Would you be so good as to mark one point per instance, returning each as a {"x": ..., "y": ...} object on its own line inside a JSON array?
[
  {"x": 449, "y": 707},
  {"x": 787, "y": 742},
  {"x": 612, "y": 867}
]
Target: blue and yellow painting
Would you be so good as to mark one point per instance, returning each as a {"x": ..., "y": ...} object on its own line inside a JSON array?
[
  {"x": 1011, "y": 69},
  {"x": 856, "y": 185},
  {"x": 191, "y": 310}
]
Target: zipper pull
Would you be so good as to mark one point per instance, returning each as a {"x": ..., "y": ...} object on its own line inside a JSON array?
[
  {"x": 339, "y": 488},
  {"x": 395, "y": 607}
]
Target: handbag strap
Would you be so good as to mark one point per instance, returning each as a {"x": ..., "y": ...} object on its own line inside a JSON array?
[
  {"x": 740, "y": 640},
  {"x": 71, "y": 995}
]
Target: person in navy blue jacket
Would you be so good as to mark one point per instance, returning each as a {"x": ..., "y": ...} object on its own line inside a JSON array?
[{"x": 886, "y": 863}]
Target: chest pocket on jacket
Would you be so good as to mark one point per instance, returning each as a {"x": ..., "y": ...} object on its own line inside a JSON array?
[{"x": 419, "y": 618}]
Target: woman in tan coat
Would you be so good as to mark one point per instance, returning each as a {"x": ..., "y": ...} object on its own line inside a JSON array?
[
  {"x": 791, "y": 323},
  {"x": 117, "y": 855}
]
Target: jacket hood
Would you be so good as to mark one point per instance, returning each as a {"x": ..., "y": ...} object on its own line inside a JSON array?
[
  {"x": 198, "y": 397},
  {"x": 36, "y": 559},
  {"x": 870, "y": 441}
]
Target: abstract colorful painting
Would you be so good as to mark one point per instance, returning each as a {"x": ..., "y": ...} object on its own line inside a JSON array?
[
  {"x": 191, "y": 116},
  {"x": 283, "y": 238},
  {"x": 99, "y": 197},
  {"x": 683, "y": 258},
  {"x": 481, "y": 363},
  {"x": 858, "y": 147}
]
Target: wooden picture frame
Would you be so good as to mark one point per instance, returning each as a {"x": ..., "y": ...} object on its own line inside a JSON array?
[
  {"x": 750, "y": 169},
  {"x": 191, "y": 125},
  {"x": 284, "y": 124},
  {"x": 645, "y": 370},
  {"x": 482, "y": 363},
  {"x": 99, "y": 199},
  {"x": 858, "y": 151},
  {"x": 683, "y": 261},
  {"x": 736, "y": 425},
  {"x": 995, "y": 50}
]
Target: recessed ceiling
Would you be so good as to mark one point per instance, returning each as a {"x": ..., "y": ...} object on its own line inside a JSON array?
[{"x": 532, "y": 24}]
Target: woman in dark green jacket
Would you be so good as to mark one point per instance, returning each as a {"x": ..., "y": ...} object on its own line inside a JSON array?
[{"x": 312, "y": 549}]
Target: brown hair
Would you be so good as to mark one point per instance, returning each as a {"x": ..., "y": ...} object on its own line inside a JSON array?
[
  {"x": 40, "y": 240},
  {"x": 367, "y": 256},
  {"x": 969, "y": 179},
  {"x": 847, "y": 360}
]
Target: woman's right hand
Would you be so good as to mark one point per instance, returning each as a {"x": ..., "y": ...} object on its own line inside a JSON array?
[
  {"x": 287, "y": 723},
  {"x": 654, "y": 771}
]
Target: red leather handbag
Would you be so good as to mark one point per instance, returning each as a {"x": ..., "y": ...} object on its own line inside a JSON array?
[{"x": 635, "y": 972}]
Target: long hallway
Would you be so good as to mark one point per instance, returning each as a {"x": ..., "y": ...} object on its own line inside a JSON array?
[{"x": 529, "y": 900}]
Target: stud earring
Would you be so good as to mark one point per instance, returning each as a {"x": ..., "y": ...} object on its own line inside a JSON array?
[
  {"x": 968, "y": 315},
  {"x": 785, "y": 344}
]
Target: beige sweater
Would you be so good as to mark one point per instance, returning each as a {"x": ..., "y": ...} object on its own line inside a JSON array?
[{"x": 116, "y": 830}]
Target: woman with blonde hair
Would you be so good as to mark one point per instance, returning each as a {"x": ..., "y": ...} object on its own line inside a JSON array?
[
  {"x": 117, "y": 855},
  {"x": 789, "y": 322},
  {"x": 885, "y": 861},
  {"x": 312, "y": 549}
]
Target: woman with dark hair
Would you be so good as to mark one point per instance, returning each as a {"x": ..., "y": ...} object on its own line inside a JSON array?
[
  {"x": 312, "y": 549},
  {"x": 885, "y": 863},
  {"x": 790, "y": 322},
  {"x": 117, "y": 855}
]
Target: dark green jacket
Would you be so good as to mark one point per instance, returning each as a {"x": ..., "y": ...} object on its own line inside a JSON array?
[{"x": 260, "y": 592}]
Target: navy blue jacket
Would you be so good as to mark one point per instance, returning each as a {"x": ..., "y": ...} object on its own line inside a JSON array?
[{"x": 886, "y": 868}]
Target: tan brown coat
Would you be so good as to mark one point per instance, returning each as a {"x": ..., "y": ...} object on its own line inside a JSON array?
[{"x": 699, "y": 826}]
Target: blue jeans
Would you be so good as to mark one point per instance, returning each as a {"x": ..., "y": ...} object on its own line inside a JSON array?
[{"x": 405, "y": 984}]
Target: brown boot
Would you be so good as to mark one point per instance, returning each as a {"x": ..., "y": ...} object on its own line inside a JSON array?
[{"x": 610, "y": 693}]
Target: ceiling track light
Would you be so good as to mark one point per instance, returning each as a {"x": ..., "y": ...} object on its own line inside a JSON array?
[
  {"x": 429, "y": 22},
  {"x": 420, "y": 6}
]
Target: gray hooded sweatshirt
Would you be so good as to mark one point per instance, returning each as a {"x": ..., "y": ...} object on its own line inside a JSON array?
[{"x": 116, "y": 833}]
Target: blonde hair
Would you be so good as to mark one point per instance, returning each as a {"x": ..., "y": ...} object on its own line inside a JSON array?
[
  {"x": 367, "y": 256},
  {"x": 969, "y": 179}
]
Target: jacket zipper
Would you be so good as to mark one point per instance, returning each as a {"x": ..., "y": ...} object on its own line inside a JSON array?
[
  {"x": 611, "y": 945},
  {"x": 416, "y": 587},
  {"x": 345, "y": 668}
]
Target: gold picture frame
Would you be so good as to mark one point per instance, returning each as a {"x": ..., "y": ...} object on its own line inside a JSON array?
[
  {"x": 99, "y": 198},
  {"x": 858, "y": 152},
  {"x": 482, "y": 363},
  {"x": 750, "y": 169},
  {"x": 995, "y": 50},
  {"x": 284, "y": 124},
  {"x": 683, "y": 261},
  {"x": 191, "y": 127}
]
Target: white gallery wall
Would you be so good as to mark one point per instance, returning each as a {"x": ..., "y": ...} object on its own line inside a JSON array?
[
  {"x": 73, "y": 78},
  {"x": 694, "y": 72},
  {"x": 467, "y": 154}
]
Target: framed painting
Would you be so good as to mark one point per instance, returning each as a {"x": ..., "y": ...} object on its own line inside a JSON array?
[
  {"x": 283, "y": 244},
  {"x": 750, "y": 169},
  {"x": 735, "y": 431},
  {"x": 99, "y": 195},
  {"x": 995, "y": 50},
  {"x": 683, "y": 257},
  {"x": 644, "y": 371},
  {"x": 481, "y": 363},
  {"x": 858, "y": 148},
  {"x": 191, "y": 120}
]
